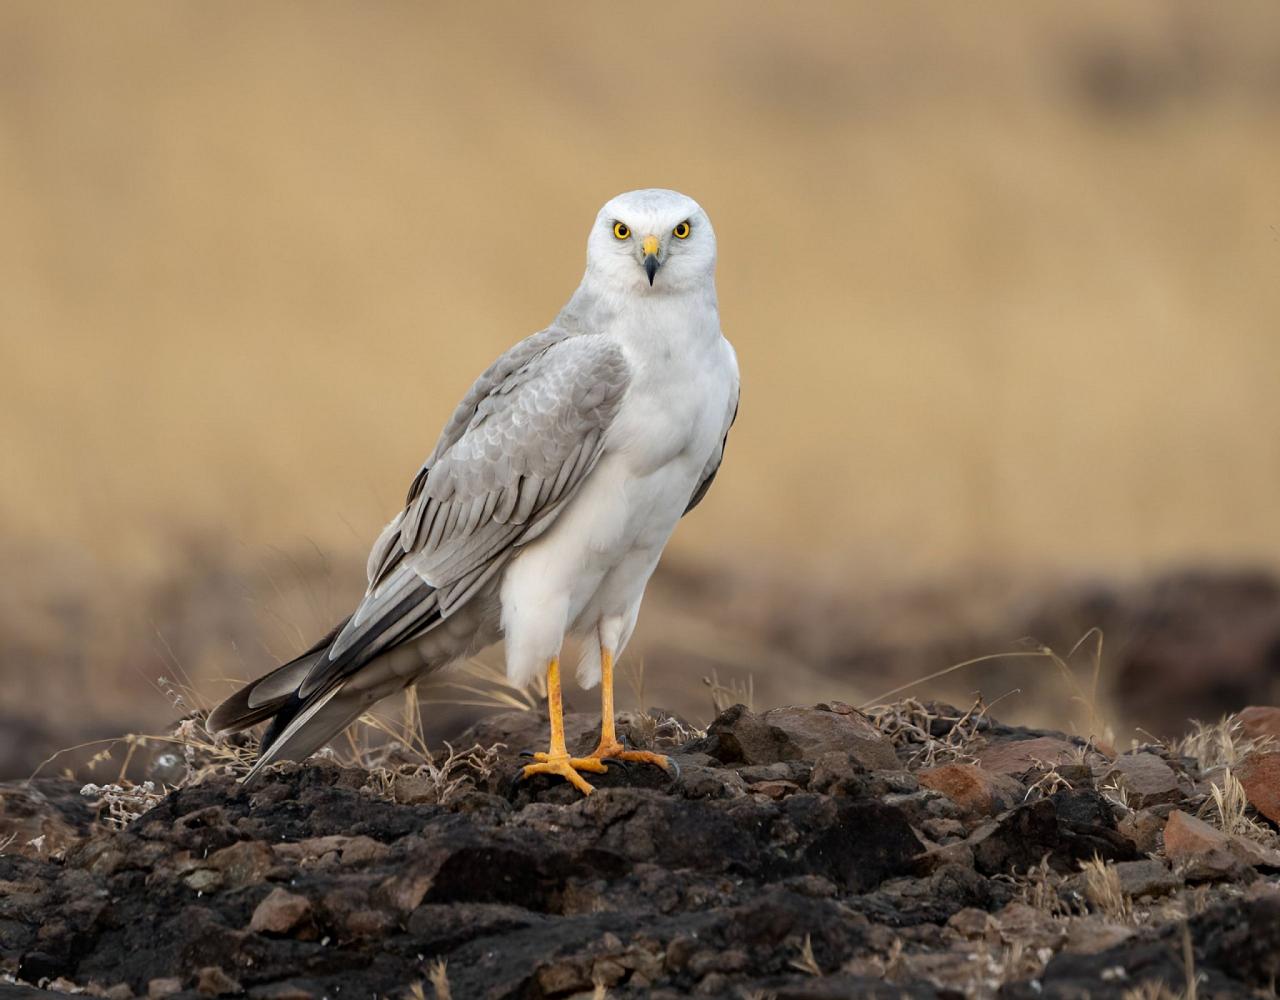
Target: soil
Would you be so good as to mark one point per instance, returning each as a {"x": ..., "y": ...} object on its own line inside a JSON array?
[{"x": 800, "y": 853}]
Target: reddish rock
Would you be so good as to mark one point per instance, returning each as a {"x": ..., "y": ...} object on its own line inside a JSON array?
[
  {"x": 973, "y": 789},
  {"x": 1207, "y": 852},
  {"x": 1017, "y": 757},
  {"x": 1191, "y": 841},
  {"x": 774, "y": 789},
  {"x": 1260, "y": 775},
  {"x": 280, "y": 912},
  {"x": 1257, "y": 721}
]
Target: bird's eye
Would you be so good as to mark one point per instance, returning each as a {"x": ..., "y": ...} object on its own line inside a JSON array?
[
  {"x": 621, "y": 231},
  {"x": 681, "y": 232}
]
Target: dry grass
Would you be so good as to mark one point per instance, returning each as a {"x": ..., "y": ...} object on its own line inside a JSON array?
[
  {"x": 1103, "y": 891},
  {"x": 1220, "y": 744},
  {"x": 909, "y": 726},
  {"x": 1228, "y": 808},
  {"x": 439, "y": 976},
  {"x": 1039, "y": 887},
  {"x": 807, "y": 961}
]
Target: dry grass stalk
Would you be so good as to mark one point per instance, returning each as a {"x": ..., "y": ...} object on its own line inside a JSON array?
[
  {"x": 446, "y": 778},
  {"x": 1228, "y": 808},
  {"x": 807, "y": 962},
  {"x": 1102, "y": 889},
  {"x": 439, "y": 976},
  {"x": 1047, "y": 784},
  {"x": 1219, "y": 744},
  {"x": 736, "y": 692},
  {"x": 909, "y": 726},
  {"x": 1087, "y": 697},
  {"x": 1038, "y": 887},
  {"x": 123, "y": 803}
]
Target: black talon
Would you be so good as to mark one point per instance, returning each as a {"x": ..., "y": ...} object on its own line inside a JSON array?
[
  {"x": 675, "y": 768},
  {"x": 527, "y": 753},
  {"x": 623, "y": 764}
]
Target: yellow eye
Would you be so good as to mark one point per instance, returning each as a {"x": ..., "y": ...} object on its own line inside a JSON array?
[
  {"x": 681, "y": 232},
  {"x": 621, "y": 231}
]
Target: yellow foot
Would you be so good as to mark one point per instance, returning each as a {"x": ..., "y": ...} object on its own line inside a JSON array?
[
  {"x": 616, "y": 751},
  {"x": 566, "y": 767}
]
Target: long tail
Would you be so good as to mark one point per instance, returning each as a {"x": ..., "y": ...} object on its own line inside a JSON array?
[{"x": 299, "y": 726}]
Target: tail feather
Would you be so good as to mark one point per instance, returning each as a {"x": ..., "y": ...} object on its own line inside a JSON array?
[
  {"x": 261, "y": 699},
  {"x": 309, "y": 726}
]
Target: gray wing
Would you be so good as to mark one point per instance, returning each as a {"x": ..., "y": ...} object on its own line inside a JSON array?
[
  {"x": 713, "y": 463},
  {"x": 517, "y": 448}
]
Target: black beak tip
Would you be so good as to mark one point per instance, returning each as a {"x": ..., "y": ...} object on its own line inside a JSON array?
[{"x": 651, "y": 268}]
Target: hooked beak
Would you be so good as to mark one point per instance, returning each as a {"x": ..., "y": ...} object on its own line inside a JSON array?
[{"x": 650, "y": 248}]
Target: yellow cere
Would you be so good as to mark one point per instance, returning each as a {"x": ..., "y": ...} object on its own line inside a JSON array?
[
  {"x": 621, "y": 231},
  {"x": 681, "y": 232},
  {"x": 649, "y": 246}
]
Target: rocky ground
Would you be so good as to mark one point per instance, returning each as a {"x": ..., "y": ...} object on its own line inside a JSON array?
[{"x": 920, "y": 851}]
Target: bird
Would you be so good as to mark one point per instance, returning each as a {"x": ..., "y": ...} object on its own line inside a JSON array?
[{"x": 546, "y": 503}]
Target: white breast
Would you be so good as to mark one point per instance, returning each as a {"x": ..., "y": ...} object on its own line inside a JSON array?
[{"x": 596, "y": 558}]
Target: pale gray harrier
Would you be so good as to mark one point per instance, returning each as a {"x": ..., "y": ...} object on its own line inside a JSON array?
[{"x": 547, "y": 501}]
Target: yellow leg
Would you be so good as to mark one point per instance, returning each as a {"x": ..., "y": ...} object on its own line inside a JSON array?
[
  {"x": 609, "y": 746},
  {"x": 557, "y": 760}
]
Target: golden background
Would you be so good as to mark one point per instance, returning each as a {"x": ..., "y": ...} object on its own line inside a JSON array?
[{"x": 1004, "y": 282}]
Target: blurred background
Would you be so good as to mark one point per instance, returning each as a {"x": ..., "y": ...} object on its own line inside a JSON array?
[{"x": 1004, "y": 281}]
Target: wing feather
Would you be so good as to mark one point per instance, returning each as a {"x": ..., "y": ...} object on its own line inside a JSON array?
[{"x": 511, "y": 456}]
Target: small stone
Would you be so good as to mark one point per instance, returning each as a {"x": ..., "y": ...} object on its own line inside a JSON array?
[
  {"x": 563, "y": 977},
  {"x": 368, "y": 923},
  {"x": 119, "y": 991},
  {"x": 1192, "y": 841},
  {"x": 406, "y": 892},
  {"x": 359, "y": 850},
  {"x": 415, "y": 789},
  {"x": 607, "y": 972},
  {"x": 1017, "y": 757},
  {"x": 774, "y": 789},
  {"x": 973, "y": 789},
  {"x": 1209, "y": 853},
  {"x": 1148, "y": 877},
  {"x": 1024, "y": 924},
  {"x": 280, "y": 912},
  {"x": 1259, "y": 773},
  {"x": 838, "y": 773},
  {"x": 213, "y": 982},
  {"x": 970, "y": 922},
  {"x": 679, "y": 951},
  {"x": 1146, "y": 779},
  {"x": 1088, "y": 937},
  {"x": 163, "y": 987},
  {"x": 204, "y": 880},
  {"x": 815, "y": 732},
  {"x": 1257, "y": 721},
  {"x": 243, "y": 863},
  {"x": 1143, "y": 827}
]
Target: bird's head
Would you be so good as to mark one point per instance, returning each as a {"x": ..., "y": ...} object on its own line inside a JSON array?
[{"x": 655, "y": 241}]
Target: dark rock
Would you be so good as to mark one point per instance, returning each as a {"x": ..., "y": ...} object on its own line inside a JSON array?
[
  {"x": 1146, "y": 779},
  {"x": 746, "y": 877}
]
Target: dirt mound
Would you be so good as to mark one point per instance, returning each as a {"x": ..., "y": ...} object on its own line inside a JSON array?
[{"x": 800, "y": 853}]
